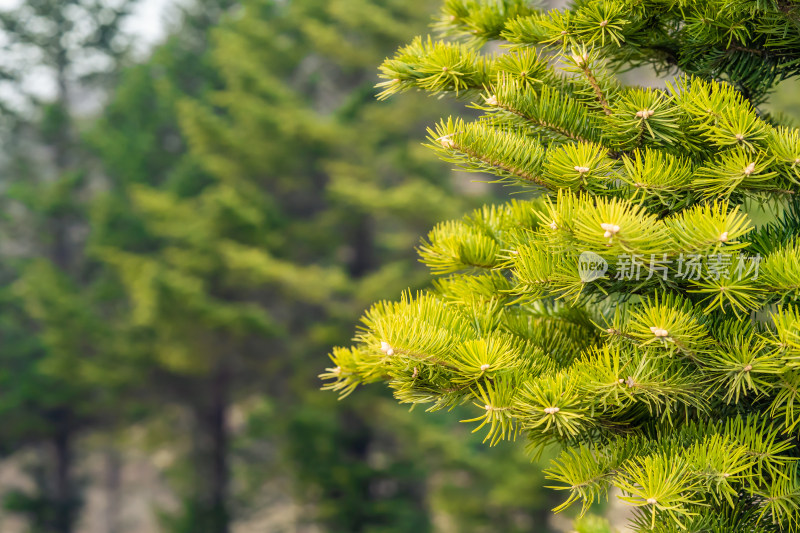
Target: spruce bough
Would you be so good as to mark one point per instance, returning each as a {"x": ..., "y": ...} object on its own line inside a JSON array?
[{"x": 629, "y": 310}]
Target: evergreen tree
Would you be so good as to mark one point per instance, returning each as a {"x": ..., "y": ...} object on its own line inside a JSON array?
[
  {"x": 230, "y": 263},
  {"x": 52, "y": 328},
  {"x": 629, "y": 311},
  {"x": 178, "y": 348}
]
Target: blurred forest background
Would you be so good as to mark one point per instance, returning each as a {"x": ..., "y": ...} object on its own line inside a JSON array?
[
  {"x": 183, "y": 239},
  {"x": 184, "y": 235}
]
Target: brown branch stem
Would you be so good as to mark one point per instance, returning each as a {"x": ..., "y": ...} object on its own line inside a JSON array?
[{"x": 598, "y": 92}]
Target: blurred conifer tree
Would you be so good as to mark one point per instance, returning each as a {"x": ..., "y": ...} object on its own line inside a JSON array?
[
  {"x": 260, "y": 198},
  {"x": 55, "y": 53}
]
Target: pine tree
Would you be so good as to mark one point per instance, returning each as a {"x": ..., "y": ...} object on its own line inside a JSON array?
[
  {"x": 629, "y": 311},
  {"x": 52, "y": 297},
  {"x": 184, "y": 347},
  {"x": 247, "y": 183}
]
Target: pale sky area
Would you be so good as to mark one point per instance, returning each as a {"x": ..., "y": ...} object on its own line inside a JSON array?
[
  {"x": 147, "y": 24},
  {"x": 148, "y": 21}
]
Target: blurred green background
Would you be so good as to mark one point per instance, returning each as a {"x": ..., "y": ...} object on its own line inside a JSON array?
[{"x": 186, "y": 228}]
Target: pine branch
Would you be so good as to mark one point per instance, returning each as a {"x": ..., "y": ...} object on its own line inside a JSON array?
[{"x": 623, "y": 313}]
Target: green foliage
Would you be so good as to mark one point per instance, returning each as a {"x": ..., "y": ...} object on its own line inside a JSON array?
[
  {"x": 58, "y": 345},
  {"x": 244, "y": 225},
  {"x": 661, "y": 332}
]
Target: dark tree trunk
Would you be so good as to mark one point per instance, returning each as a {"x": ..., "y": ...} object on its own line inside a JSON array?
[
  {"x": 113, "y": 468},
  {"x": 211, "y": 455},
  {"x": 219, "y": 451},
  {"x": 363, "y": 247},
  {"x": 63, "y": 502}
]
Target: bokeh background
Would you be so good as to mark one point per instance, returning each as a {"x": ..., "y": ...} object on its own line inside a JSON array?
[{"x": 198, "y": 198}]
